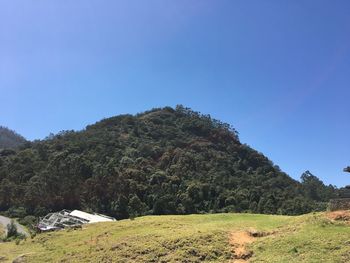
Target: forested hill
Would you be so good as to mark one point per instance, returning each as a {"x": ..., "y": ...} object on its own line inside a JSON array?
[
  {"x": 164, "y": 161},
  {"x": 10, "y": 139}
]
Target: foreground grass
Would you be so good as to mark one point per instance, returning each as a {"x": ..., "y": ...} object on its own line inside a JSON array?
[
  {"x": 192, "y": 238},
  {"x": 310, "y": 238},
  {"x": 2, "y": 231}
]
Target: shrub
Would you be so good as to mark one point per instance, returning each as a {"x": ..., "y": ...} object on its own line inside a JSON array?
[{"x": 12, "y": 230}]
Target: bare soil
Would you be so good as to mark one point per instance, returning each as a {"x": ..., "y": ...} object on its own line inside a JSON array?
[
  {"x": 343, "y": 215},
  {"x": 239, "y": 241}
]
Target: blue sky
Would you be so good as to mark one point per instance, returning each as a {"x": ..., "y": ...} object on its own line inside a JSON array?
[{"x": 278, "y": 71}]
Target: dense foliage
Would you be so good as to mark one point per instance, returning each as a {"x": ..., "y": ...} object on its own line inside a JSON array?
[
  {"x": 10, "y": 139},
  {"x": 164, "y": 161}
]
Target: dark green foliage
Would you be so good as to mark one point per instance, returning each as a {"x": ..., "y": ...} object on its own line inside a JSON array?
[
  {"x": 136, "y": 206},
  {"x": 164, "y": 161},
  {"x": 29, "y": 221},
  {"x": 315, "y": 189},
  {"x": 10, "y": 139},
  {"x": 12, "y": 233},
  {"x": 344, "y": 192},
  {"x": 12, "y": 230},
  {"x": 16, "y": 212}
]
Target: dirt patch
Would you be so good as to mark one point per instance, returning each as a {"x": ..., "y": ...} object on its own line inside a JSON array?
[
  {"x": 343, "y": 215},
  {"x": 239, "y": 241}
]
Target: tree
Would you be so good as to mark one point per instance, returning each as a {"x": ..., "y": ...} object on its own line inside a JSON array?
[
  {"x": 7, "y": 190},
  {"x": 315, "y": 189},
  {"x": 119, "y": 208},
  {"x": 10, "y": 139},
  {"x": 136, "y": 207}
]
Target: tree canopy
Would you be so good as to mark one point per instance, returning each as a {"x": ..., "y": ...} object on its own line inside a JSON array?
[
  {"x": 163, "y": 161},
  {"x": 10, "y": 139}
]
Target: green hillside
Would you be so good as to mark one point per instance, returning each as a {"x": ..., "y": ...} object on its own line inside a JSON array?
[
  {"x": 164, "y": 161},
  {"x": 10, "y": 139},
  {"x": 193, "y": 238}
]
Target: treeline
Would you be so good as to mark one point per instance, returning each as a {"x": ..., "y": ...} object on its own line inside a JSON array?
[
  {"x": 10, "y": 139},
  {"x": 163, "y": 161}
]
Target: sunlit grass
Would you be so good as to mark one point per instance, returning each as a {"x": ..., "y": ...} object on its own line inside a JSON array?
[
  {"x": 192, "y": 238},
  {"x": 311, "y": 239},
  {"x": 2, "y": 231}
]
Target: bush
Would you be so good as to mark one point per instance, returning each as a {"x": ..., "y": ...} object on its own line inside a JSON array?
[
  {"x": 12, "y": 230},
  {"x": 18, "y": 212},
  {"x": 28, "y": 221}
]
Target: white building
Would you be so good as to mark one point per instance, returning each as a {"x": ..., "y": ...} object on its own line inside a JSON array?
[{"x": 66, "y": 218}]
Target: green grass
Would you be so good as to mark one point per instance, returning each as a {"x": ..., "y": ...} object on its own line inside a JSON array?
[
  {"x": 192, "y": 238},
  {"x": 2, "y": 231},
  {"x": 311, "y": 238}
]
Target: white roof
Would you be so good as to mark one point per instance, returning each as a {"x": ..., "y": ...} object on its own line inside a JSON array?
[
  {"x": 92, "y": 218},
  {"x": 46, "y": 228}
]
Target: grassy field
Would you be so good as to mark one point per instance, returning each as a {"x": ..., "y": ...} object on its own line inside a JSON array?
[
  {"x": 192, "y": 238},
  {"x": 2, "y": 231}
]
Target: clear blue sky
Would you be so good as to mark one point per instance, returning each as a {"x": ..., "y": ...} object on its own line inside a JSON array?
[{"x": 278, "y": 71}]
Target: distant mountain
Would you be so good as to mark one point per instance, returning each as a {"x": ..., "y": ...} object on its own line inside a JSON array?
[
  {"x": 163, "y": 161},
  {"x": 10, "y": 139}
]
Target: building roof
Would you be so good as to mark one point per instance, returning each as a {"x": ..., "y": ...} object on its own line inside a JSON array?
[
  {"x": 66, "y": 218},
  {"x": 92, "y": 218}
]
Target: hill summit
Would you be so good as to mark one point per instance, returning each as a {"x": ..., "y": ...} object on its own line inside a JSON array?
[{"x": 162, "y": 161}]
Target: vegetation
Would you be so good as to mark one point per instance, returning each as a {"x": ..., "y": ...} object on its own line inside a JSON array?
[
  {"x": 314, "y": 189},
  {"x": 2, "y": 232},
  {"x": 12, "y": 230},
  {"x": 191, "y": 238},
  {"x": 11, "y": 233},
  {"x": 10, "y": 139},
  {"x": 313, "y": 238},
  {"x": 164, "y": 161}
]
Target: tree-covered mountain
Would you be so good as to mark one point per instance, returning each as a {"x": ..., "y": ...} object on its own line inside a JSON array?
[
  {"x": 163, "y": 161},
  {"x": 10, "y": 139}
]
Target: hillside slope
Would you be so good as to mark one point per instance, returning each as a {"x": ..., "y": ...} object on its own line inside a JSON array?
[
  {"x": 192, "y": 238},
  {"x": 164, "y": 161},
  {"x": 10, "y": 139}
]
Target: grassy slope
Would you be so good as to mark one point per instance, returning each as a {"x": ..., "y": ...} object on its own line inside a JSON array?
[
  {"x": 2, "y": 231},
  {"x": 310, "y": 238},
  {"x": 193, "y": 238}
]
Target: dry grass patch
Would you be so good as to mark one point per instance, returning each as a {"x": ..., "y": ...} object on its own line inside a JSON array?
[{"x": 343, "y": 216}]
